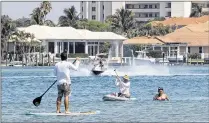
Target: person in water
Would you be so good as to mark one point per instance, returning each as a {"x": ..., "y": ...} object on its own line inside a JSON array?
[
  {"x": 124, "y": 86},
  {"x": 161, "y": 95},
  {"x": 62, "y": 72}
]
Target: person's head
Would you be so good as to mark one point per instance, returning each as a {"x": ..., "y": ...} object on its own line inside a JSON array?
[
  {"x": 126, "y": 78},
  {"x": 63, "y": 56},
  {"x": 160, "y": 90}
]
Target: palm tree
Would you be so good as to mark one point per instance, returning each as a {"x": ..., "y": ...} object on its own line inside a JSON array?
[
  {"x": 121, "y": 21},
  {"x": 7, "y": 27},
  {"x": 46, "y": 8},
  {"x": 70, "y": 18},
  {"x": 197, "y": 11},
  {"x": 37, "y": 16}
]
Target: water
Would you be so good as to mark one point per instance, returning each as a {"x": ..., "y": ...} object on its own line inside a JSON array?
[{"x": 187, "y": 88}]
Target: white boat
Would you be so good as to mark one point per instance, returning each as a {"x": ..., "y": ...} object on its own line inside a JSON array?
[{"x": 143, "y": 59}]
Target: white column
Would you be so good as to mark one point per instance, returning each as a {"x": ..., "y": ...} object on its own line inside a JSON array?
[
  {"x": 153, "y": 47},
  {"x": 178, "y": 50},
  {"x": 161, "y": 48},
  {"x": 68, "y": 43},
  {"x": 86, "y": 47},
  {"x": 55, "y": 47},
  {"x": 98, "y": 48},
  {"x": 74, "y": 47},
  {"x": 169, "y": 51},
  {"x": 116, "y": 49},
  {"x": 121, "y": 49}
]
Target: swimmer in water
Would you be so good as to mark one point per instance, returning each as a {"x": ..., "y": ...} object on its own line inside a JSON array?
[{"x": 161, "y": 95}]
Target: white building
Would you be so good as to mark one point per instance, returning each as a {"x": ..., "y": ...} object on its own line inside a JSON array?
[
  {"x": 94, "y": 10},
  {"x": 59, "y": 39},
  {"x": 143, "y": 11}
]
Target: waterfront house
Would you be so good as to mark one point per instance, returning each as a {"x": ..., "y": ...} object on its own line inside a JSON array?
[{"x": 59, "y": 39}]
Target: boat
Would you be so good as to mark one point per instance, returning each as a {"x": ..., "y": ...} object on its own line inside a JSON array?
[
  {"x": 98, "y": 70},
  {"x": 143, "y": 59}
]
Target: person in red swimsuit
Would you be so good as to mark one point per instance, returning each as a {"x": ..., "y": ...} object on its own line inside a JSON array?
[{"x": 161, "y": 95}]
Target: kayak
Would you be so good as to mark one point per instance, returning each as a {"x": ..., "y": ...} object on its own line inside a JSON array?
[{"x": 111, "y": 97}]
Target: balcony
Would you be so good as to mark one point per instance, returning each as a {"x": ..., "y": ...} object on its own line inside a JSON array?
[{"x": 145, "y": 10}]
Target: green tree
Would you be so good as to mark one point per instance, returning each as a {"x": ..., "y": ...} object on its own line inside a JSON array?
[
  {"x": 38, "y": 16},
  {"x": 7, "y": 28},
  {"x": 70, "y": 18},
  {"x": 93, "y": 25},
  {"x": 197, "y": 11},
  {"x": 23, "y": 22},
  {"x": 46, "y": 7},
  {"x": 122, "y": 21}
]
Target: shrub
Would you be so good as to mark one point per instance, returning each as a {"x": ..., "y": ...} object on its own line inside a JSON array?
[
  {"x": 194, "y": 56},
  {"x": 81, "y": 55}
]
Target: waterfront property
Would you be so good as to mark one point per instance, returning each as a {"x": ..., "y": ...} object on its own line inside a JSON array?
[
  {"x": 59, "y": 39},
  {"x": 189, "y": 40}
]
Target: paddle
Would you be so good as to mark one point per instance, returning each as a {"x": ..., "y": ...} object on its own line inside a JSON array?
[
  {"x": 37, "y": 100},
  {"x": 116, "y": 73}
]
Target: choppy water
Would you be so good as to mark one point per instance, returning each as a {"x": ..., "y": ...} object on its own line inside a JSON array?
[{"x": 187, "y": 88}]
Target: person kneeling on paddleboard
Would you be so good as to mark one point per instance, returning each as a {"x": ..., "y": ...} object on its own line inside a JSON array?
[
  {"x": 124, "y": 86},
  {"x": 62, "y": 71},
  {"x": 161, "y": 95}
]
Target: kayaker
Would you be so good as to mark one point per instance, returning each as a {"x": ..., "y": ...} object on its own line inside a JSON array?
[
  {"x": 124, "y": 86},
  {"x": 161, "y": 95},
  {"x": 62, "y": 71}
]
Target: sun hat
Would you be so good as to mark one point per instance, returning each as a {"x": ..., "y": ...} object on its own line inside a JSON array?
[{"x": 126, "y": 77}]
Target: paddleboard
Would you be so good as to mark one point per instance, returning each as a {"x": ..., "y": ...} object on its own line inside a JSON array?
[
  {"x": 63, "y": 114},
  {"x": 115, "y": 98}
]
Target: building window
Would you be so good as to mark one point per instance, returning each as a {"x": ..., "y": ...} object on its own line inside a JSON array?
[
  {"x": 168, "y": 5},
  {"x": 93, "y": 17},
  {"x": 150, "y": 6},
  {"x": 65, "y": 46},
  {"x": 156, "y": 15},
  {"x": 200, "y": 49},
  {"x": 150, "y": 14},
  {"x": 139, "y": 6},
  {"x": 188, "y": 49},
  {"x": 103, "y": 16},
  {"x": 82, "y": 9},
  {"x": 51, "y": 47},
  {"x": 155, "y": 6},
  {"x": 146, "y": 15},
  {"x": 93, "y": 8},
  {"x": 146, "y": 6},
  {"x": 82, "y": 16},
  {"x": 93, "y": 1},
  {"x": 70, "y": 47},
  {"x": 79, "y": 47},
  {"x": 103, "y": 7},
  {"x": 207, "y": 5},
  {"x": 169, "y": 14},
  {"x": 81, "y": 1}
]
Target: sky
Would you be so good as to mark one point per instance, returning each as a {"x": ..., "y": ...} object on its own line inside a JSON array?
[{"x": 17, "y": 10}]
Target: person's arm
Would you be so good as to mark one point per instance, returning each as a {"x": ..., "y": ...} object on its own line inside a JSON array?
[
  {"x": 74, "y": 67},
  {"x": 117, "y": 81}
]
